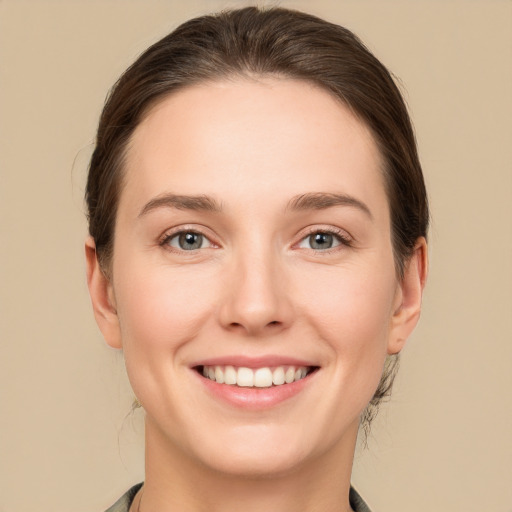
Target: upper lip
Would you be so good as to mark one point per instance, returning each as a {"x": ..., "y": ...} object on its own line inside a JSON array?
[{"x": 253, "y": 362}]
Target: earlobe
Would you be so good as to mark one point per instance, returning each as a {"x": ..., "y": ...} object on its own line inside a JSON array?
[
  {"x": 102, "y": 297},
  {"x": 409, "y": 294}
]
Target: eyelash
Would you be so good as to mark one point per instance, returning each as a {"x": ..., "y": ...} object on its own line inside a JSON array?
[
  {"x": 341, "y": 236},
  {"x": 167, "y": 237}
]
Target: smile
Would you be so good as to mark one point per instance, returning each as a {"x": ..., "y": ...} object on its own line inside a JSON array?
[{"x": 264, "y": 377}]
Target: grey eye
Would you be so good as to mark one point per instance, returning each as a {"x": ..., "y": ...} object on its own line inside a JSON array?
[
  {"x": 320, "y": 241},
  {"x": 188, "y": 241}
]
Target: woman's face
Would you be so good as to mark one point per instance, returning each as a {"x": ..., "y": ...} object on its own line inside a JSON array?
[{"x": 252, "y": 244}]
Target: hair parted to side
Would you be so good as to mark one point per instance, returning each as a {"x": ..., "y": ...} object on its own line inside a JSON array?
[{"x": 255, "y": 42}]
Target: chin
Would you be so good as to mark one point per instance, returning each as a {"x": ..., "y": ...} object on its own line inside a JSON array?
[
  {"x": 254, "y": 464},
  {"x": 261, "y": 451}
]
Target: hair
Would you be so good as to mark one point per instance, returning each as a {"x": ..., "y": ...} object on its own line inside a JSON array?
[{"x": 254, "y": 42}]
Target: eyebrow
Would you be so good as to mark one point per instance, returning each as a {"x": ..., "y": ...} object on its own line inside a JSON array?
[
  {"x": 324, "y": 200},
  {"x": 302, "y": 202},
  {"x": 181, "y": 202}
]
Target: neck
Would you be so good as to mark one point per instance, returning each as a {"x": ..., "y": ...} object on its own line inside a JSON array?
[{"x": 175, "y": 481}]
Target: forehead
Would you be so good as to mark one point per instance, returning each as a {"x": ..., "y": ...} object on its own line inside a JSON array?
[{"x": 251, "y": 137}]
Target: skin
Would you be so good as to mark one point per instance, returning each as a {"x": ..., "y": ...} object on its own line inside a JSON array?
[{"x": 256, "y": 287}]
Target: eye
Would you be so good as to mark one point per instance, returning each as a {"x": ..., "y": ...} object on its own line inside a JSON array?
[
  {"x": 187, "y": 241},
  {"x": 323, "y": 240}
]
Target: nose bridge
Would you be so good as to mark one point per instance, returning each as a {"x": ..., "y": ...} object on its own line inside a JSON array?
[{"x": 256, "y": 299}]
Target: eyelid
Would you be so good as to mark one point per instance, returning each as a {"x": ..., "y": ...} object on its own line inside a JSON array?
[
  {"x": 345, "y": 239},
  {"x": 187, "y": 228}
]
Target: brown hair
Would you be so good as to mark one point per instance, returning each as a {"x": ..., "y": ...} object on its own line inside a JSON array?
[{"x": 259, "y": 42}]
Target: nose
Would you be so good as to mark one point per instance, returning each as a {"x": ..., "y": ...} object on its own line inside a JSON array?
[{"x": 256, "y": 297}]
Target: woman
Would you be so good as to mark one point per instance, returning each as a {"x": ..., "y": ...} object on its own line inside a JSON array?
[{"x": 257, "y": 219}]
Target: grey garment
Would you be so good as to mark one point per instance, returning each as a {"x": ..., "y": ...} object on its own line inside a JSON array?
[
  {"x": 356, "y": 502},
  {"x": 124, "y": 502}
]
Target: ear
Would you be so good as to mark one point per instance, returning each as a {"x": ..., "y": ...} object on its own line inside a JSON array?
[
  {"x": 102, "y": 297},
  {"x": 407, "y": 305}
]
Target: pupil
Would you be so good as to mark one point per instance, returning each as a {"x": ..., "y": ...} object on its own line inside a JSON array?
[
  {"x": 190, "y": 241},
  {"x": 321, "y": 241}
]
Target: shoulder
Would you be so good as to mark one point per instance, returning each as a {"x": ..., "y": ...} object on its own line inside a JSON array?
[
  {"x": 356, "y": 502},
  {"x": 124, "y": 502}
]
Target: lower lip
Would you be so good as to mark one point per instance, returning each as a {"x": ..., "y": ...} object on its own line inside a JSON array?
[{"x": 255, "y": 398}]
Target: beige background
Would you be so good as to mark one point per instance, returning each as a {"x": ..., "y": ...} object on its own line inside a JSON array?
[{"x": 445, "y": 441}]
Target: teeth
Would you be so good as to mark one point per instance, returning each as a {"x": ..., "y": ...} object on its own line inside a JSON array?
[
  {"x": 263, "y": 378},
  {"x": 289, "y": 376},
  {"x": 259, "y": 378},
  {"x": 219, "y": 375},
  {"x": 229, "y": 375},
  {"x": 278, "y": 376},
  {"x": 245, "y": 377}
]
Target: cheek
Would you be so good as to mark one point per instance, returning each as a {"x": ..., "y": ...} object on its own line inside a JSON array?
[
  {"x": 352, "y": 316},
  {"x": 352, "y": 302},
  {"x": 162, "y": 308}
]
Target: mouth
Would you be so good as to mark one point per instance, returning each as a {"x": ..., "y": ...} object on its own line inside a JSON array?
[{"x": 263, "y": 377}]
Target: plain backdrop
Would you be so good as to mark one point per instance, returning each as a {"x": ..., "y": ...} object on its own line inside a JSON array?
[{"x": 67, "y": 439}]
